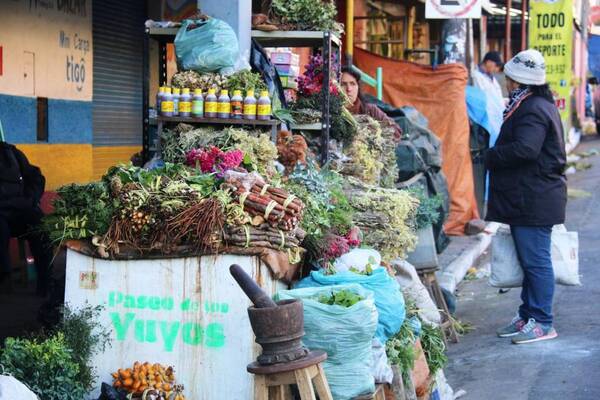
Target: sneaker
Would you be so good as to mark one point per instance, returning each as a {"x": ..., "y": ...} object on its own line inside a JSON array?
[
  {"x": 534, "y": 332},
  {"x": 513, "y": 328}
]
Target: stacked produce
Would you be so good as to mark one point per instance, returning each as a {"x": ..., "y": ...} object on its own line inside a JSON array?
[
  {"x": 148, "y": 380},
  {"x": 243, "y": 80}
]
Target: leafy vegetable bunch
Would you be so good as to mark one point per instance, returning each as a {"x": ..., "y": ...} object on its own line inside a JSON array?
[
  {"x": 80, "y": 211},
  {"x": 344, "y": 298},
  {"x": 307, "y": 15}
]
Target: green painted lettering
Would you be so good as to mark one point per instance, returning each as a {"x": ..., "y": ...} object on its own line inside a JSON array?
[
  {"x": 139, "y": 330},
  {"x": 167, "y": 303},
  {"x": 151, "y": 331},
  {"x": 121, "y": 327},
  {"x": 215, "y": 336},
  {"x": 185, "y": 305},
  {"x": 192, "y": 333},
  {"x": 129, "y": 301},
  {"x": 224, "y": 308},
  {"x": 142, "y": 302},
  {"x": 114, "y": 298},
  {"x": 154, "y": 303},
  {"x": 169, "y": 333}
]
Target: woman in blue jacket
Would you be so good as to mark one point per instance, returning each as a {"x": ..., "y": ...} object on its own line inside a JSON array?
[{"x": 528, "y": 189}]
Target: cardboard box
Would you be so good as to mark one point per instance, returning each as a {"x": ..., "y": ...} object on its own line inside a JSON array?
[{"x": 285, "y": 58}]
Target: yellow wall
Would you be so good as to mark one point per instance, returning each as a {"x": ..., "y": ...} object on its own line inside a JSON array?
[
  {"x": 106, "y": 157},
  {"x": 62, "y": 164}
]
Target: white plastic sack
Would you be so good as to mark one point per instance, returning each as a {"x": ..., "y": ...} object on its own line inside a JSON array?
[
  {"x": 412, "y": 287},
  {"x": 445, "y": 391},
  {"x": 382, "y": 371},
  {"x": 359, "y": 259},
  {"x": 12, "y": 389},
  {"x": 506, "y": 269}
]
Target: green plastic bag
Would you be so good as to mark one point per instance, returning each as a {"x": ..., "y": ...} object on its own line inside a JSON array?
[
  {"x": 210, "y": 47},
  {"x": 346, "y": 334}
]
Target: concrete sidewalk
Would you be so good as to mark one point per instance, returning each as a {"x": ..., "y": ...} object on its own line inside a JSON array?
[{"x": 567, "y": 368}]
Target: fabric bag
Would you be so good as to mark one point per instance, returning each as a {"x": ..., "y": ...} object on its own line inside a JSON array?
[
  {"x": 13, "y": 389},
  {"x": 345, "y": 333},
  {"x": 388, "y": 297},
  {"x": 507, "y": 272},
  {"x": 211, "y": 46}
]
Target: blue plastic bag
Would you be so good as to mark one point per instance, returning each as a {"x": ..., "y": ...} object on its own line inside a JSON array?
[
  {"x": 388, "y": 297},
  {"x": 345, "y": 333},
  {"x": 210, "y": 47}
]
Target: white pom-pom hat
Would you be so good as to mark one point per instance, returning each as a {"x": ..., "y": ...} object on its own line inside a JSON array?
[{"x": 528, "y": 68}]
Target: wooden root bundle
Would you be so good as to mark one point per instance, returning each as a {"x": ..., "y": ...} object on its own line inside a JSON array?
[
  {"x": 200, "y": 224},
  {"x": 263, "y": 236},
  {"x": 276, "y": 206}
]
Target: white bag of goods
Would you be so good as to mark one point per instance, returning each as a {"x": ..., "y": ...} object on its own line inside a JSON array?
[
  {"x": 382, "y": 371},
  {"x": 507, "y": 272},
  {"x": 358, "y": 259},
  {"x": 12, "y": 389},
  {"x": 412, "y": 287},
  {"x": 345, "y": 333}
]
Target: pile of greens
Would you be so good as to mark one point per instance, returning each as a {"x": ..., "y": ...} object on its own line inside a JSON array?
[
  {"x": 434, "y": 348},
  {"x": 344, "y": 298},
  {"x": 80, "y": 211},
  {"x": 307, "y": 15},
  {"x": 343, "y": 124},
  {"x": 243, "y": 80},
  {"x": 57, "y": 364},
  {"x": 428, "y": 212}
]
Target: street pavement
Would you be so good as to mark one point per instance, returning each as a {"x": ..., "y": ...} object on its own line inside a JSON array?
[{"x": 567, "y": 368}]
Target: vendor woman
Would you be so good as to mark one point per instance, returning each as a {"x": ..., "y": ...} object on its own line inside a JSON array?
[{"x": 351, "y": 85}]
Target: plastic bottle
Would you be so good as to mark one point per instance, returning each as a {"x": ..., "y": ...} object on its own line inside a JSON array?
[
  {"x": 198, "y": 104},
  {"x": 185, "y": 103},
  {"x": 166, "y": 106},
  {"x": 237, "y": 105},
  {"x": 159, "y": 98},
  {"x": 224, "y": 108},
  {"x": 264, "y": 106},
  {"x": 176, "y": 95},
  {"x": 250, "y": 105},
  {"x": 210, "y": 104}
]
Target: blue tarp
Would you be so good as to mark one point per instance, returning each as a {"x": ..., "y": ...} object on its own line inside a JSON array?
[
  {"x": 477, "y": 107},
  {"x": 594, "y": 55}
]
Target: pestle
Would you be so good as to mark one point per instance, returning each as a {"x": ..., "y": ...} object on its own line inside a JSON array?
[{"x": 252, "y": 290}]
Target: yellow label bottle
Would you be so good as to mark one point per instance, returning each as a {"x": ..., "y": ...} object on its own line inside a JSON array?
[
  {"x": 210, "y": 104},
  {"x": 264, "y": 106}
]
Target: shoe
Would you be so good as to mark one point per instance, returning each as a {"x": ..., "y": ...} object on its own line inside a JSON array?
[
  {"x": 513, "y": 328},
  {"x": 534, "y": 332}
]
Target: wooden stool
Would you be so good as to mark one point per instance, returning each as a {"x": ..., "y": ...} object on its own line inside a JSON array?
[
  {"x": 272, "y": 381},
  {"x": 429, "y": 280}
]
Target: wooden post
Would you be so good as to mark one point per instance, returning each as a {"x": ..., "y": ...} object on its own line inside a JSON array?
[
  {"x": 523, "y": 26},
  {"x": 507, "y": 33}
]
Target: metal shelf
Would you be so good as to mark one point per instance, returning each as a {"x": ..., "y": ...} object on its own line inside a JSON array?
[
  {"x": 220, "y": 121},
  {"x": 317, "y": 126},
  {"x": 293, "y": 38}
]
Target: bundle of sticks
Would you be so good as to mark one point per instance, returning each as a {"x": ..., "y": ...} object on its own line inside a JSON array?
[
  {"x": 275, "y": 206},
  {"x": 262, "y": 236}
]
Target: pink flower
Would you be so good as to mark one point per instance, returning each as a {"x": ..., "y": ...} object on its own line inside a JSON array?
[{"x": 214, "y": 159}]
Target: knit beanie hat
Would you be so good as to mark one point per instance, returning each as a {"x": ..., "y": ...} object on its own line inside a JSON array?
[{"x": 528, "y": 68}]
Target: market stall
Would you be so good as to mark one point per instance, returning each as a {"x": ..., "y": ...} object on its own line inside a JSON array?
[{"x": 152, "y": 245}]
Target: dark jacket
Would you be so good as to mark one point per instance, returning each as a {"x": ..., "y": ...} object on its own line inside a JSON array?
[
  {"x": 527, "y": 182},
  {"x": 21, "y": 184}
]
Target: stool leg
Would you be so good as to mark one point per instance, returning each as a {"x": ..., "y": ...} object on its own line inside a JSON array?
[
  {"x": 281, "y": 392},
  {"x": 440, "y": 296},
  {"x": 261, "y": 390},
  {"x": 305, "y": 386},
  {"x": 321, "y": 385}
]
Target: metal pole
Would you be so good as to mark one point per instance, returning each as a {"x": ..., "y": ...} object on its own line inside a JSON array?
[
  {"x": 379, "y": 76},
  {"x": 349, "y": 31},
  {"x": 325, "y": 117},
  {"x": 146, "y": 99},
  {"x": 523, "y": 25},
  {"x": 507, "y": 33},
  {"x": 482, "y": 36}
]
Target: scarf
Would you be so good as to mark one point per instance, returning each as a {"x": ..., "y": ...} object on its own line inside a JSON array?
[{"x": 516, "y": 98}]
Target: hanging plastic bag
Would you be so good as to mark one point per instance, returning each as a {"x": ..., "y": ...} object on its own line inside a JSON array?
[
  {"x": 345, "y": 333},
  {"x": 210, "y": 46},
  {"x": 507, "y": 272},
  {"x": 388, "y": 297}
]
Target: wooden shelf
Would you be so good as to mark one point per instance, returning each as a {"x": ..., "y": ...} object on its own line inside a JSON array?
[
  {"x": 219, "y": 121},
  {"x": 293, "y": 38}
]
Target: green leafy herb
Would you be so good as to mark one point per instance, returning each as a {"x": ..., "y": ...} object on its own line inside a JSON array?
[
  {"x": 307, "y": 15},
  {"x": 434, "y": 347},
  {"x": 344, "y": 298}
]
